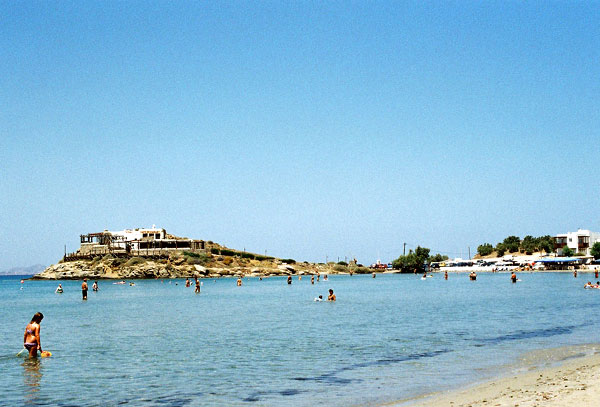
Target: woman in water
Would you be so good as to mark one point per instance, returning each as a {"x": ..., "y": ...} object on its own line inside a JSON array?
[
  {"x": 331, "y": 296},
  {"x": 31, "y": 339}
]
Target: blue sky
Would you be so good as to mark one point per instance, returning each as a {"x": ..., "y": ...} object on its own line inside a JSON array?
[{"x": 306, "y": 129}]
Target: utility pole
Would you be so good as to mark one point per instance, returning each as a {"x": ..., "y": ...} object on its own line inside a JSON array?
[
  {"x": 404, "y": 251},
  {"x": 469, "y": 252}
]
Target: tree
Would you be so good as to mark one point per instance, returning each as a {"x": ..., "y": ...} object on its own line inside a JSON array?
[
  {"x": 412, "y": 261},
  {"x": 485, "y": 249},
  {"x": 512, "y": 243},
  {"x": 501, "y": 249},
  {"x": 437, "y": 258},
  {"x": 567, "y": 251},
  {"x": 546, "y": 243},
  {"x": 529, "y": 244},
  {"x": 595, "y": 251}
]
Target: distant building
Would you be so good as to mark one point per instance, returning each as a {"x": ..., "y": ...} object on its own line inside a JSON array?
[
  {"x": 137, "y": 242},
  {"x": 580, "y": 241}
]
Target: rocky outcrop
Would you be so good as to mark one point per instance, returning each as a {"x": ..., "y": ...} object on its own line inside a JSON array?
[{"x": 176, "y": 266}]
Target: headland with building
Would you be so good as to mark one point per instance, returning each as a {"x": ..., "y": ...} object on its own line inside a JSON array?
[{"x": 154, "y": 253}]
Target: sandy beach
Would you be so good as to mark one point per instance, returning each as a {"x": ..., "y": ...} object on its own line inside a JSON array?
[{"x": 574, "y": 382}]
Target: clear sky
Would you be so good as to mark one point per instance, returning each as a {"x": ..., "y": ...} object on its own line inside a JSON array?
[{"x": 303, "y": 129}]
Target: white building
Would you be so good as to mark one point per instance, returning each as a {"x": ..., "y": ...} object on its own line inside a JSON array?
[
  {"x": 129, "y": 235},
  {"x": 580, "y": 241},
  {"x": 140, "y": 241}
]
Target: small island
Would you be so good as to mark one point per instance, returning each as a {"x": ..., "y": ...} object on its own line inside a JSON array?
[{"x": 154, "y": 253}]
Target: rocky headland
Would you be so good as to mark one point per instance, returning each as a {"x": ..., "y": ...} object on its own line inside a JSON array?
[{"x": 183, "y": 265}]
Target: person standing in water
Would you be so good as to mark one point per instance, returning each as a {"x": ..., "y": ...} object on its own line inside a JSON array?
[
  {"x": 59, "y": 289},
  {"x": 513, "y": 277},
  {"x": 31, "y": 338},
  {"x": 445, "y": 275},
  {"x": 331, "y": 296},
  {"x": 95, "y": 286},
  {"x": 84, "y": 289},
  {"x": 312, "y": 279},
  {"x": 197, "y": 289},
  {"x": 239, "y": 282},
  {"x": 289, "y": 280}
]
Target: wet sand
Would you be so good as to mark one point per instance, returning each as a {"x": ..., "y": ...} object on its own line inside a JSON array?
[{"x": 575, "y": 382}]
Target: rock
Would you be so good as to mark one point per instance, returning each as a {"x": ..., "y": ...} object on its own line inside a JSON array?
[{"x": 178, "y": 261}]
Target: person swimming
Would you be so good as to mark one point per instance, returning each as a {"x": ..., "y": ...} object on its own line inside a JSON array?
[
  {"x": 319, "y": 298},
  {"x": 59, "y": 289},
  {"x": 473, "y": 276},
  {"x": 187, "y": 282},
  {"x": 31, "y": 338}
]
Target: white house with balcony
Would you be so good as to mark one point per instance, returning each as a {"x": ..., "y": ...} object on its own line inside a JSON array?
[{"x": 580, "y": 241}]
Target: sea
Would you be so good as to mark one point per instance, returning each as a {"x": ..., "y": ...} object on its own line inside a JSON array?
[{"x": 268, "y": 343}]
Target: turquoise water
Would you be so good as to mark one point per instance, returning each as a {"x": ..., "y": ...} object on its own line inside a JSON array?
[{"x": 268, "y": 343}]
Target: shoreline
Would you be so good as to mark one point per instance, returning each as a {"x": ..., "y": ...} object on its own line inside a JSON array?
[{"x": 565, "y": 377}]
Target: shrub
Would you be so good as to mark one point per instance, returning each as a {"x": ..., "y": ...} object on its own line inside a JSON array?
[
  {"x": 340, "y": 267},
  {"x": 595, "y": 251},
  {"x": 362, "y": 270},
  {"x": 196, "y": 258},
  {"x": 134, "y": 261},
  {"x": 289, "y": 261},
  {"x": 214, "y": 250},
  {"x": 342, "y": 263},
  {"x": 248, "y": 256},
  {"x": 227, "y": 260},
  {"x": 262, "y": 258},
  {"x": 485, "y": 249},
  {"x": 227, "y": 252},
  {"x": 567, "y": 251}
]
